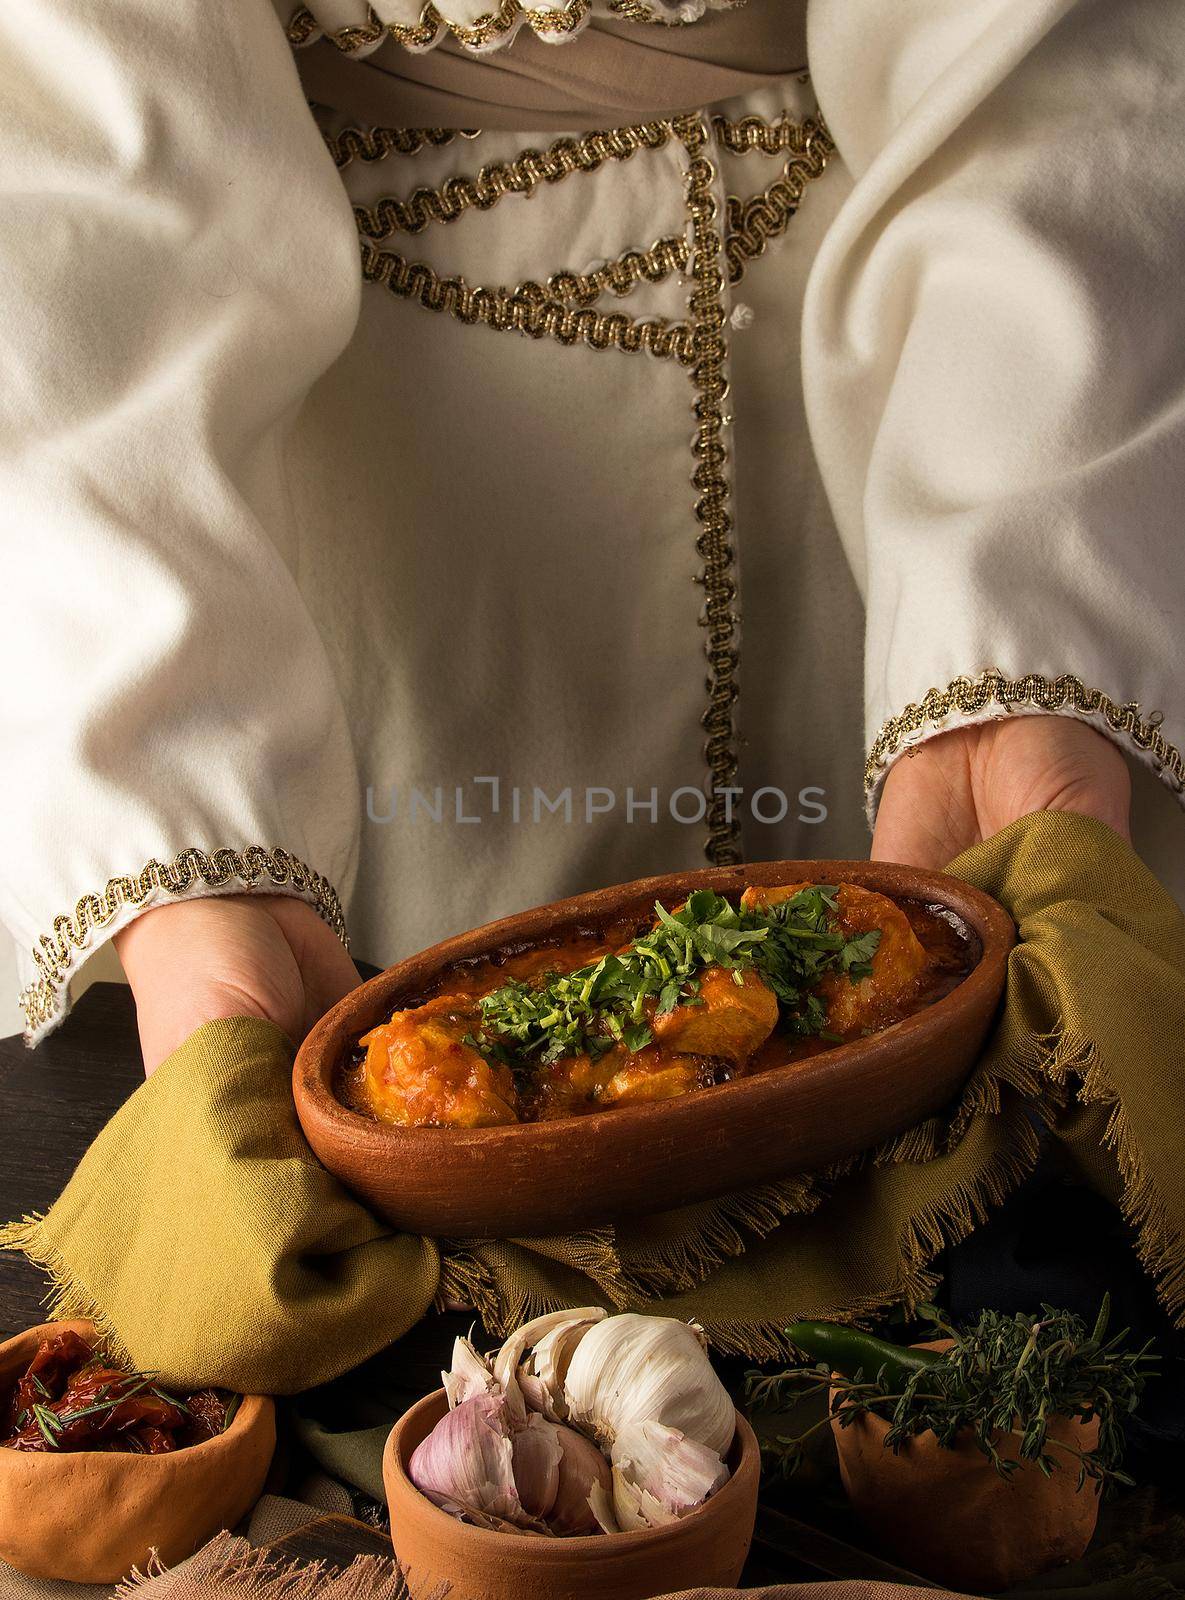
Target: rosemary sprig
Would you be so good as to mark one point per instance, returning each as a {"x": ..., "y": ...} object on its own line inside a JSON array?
[
  {"x": 49, "y": 1423},
  {"x": 106, "y": 1400},
  {"x": 172, "y": 1400},
  {"x": 1005, "y": 1377},
  {"x": 610, "y": 1001}
]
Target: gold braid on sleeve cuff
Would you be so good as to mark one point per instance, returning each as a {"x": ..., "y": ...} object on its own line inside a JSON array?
[
  {"x": 992, "y": 693},
  {"x": 57, "y": 954}
]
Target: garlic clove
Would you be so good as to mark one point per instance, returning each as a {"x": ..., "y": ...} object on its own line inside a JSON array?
[
  {"x": 659, "y": 1474},
  {"x": 583, "y": 1471},
  {"x": 467, "y": 1460},
  {"x": 509, "y": 1357},
  {"x": 600, "y": 1503},
  {"x": 543, "y": 1372},
  {"x": 635, "y": 1509},
  {"x": 483, "y": 1519},
  {"x": 534, "y": 1392},
  {"x": 536, "y": 1454},
  {"x": 470, "y": 1374},
  {"x": 632, "y": 1368}
]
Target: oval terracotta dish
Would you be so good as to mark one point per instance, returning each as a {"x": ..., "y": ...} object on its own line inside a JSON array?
[
  {"x": 706, "y": 1548},
  {"x": 553, "y": 1176},
  {"x": 91, "y": 1516}
]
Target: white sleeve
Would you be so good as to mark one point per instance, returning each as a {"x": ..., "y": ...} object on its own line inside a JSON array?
[
  {"x": 993, "y": 358},
  {"x": 178, "y": 263}
]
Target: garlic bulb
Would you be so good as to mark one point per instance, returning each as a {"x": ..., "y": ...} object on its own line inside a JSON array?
[
  {"x": 630, "y": 1368},
  {"x": 659, "y": 1475},
  {"x": 516, "y": 1451}
]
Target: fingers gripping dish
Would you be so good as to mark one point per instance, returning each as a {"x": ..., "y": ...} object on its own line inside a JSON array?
[{"x": 707, "y": 992}]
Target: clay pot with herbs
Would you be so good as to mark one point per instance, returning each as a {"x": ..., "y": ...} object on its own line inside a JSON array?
[
  {"x": 978, "y": 1458},
  {"x": 946, "y": 1512}
]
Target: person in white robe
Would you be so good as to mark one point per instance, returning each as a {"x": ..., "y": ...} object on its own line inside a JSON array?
[{"x": 370, "y": 603}]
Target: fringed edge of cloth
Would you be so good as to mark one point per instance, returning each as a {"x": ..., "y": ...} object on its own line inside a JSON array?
[
  {"x": 1160, "y": 1243},
  {"x": 66, "y": 1300},
  {"x": 467, "y": 1276},
  {"x": 228, "y": 1566},
  {"x": 681, "y": 1263}
]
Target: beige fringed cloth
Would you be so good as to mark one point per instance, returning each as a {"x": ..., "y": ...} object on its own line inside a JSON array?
[
  {"x": 228, "y": 1569},
  {"x": 613, "y": 75}
]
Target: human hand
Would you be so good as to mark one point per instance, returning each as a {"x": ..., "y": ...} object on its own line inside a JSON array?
[
  {"x": 961, "y": 787},
  {"x": 258, "y": 955}
]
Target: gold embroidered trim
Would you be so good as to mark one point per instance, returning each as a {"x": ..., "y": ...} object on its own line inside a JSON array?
[
  {"x": 622, "y": 276},
  {"x": 488, "y": 30},
  {"x": 376, "y": 144},
  {"x": 754, "y": 222},
  {"x": 521, "y": 176},
  {"x": 714, "y": 545},
  {"x": 771, "y": 138},
  {"x": 562, "y": 309},
  {"x": 535, "y": 308},
  {"x": 673, "y": 14},
  {"x": 54, "y": 953},
  {"x": 970, "y": 696},
  {"x": 496, "y": 25}
]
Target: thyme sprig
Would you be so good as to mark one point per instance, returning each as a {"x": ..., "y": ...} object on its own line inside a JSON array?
[
  {"x": 1004, "y": 1379},
  {"x": 613, "y": 1001}
]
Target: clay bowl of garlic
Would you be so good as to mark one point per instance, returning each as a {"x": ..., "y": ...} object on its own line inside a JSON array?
[{"x": 589, "y": 1455}]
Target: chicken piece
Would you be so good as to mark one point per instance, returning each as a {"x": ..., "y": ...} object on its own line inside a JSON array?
[
  {"x": 572, "y": 1085},
  {"x": 419, "y": 1074},
  {"x": 874, "y": 1002},
  {"x": 653, "y": 1073},
  {"x": 578, "y": 1084},
  {"x": 732, "y": 1021}
]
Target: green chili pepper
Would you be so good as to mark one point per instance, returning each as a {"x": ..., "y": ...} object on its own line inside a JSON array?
[{"x": 848, "y": 1351}]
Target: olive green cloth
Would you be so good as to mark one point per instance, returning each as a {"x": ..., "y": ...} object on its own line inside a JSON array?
[{"x": 202, "y": 1234}]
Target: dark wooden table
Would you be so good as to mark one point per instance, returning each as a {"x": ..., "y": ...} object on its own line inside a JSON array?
[{"x": 53, "y": 1101}]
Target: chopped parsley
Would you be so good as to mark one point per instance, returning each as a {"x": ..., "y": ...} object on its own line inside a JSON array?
[{"x": 792, "y": 945}]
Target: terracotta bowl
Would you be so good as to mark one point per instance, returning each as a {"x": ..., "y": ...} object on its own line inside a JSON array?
[
  {"x": 993, "y": 1532},
  {"x": 705, "y": 1549},
  {"x": 548, "y": 1177},
  {"x": 90, "y": 1517}
]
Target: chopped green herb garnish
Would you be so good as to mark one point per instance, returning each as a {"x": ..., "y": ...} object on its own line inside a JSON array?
[{"x": 792, "y": 945}]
